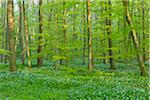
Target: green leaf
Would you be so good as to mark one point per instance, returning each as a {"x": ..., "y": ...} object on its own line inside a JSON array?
[{"x": 5, "y": 52}]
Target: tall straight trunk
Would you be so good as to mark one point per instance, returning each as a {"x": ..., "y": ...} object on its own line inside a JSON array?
[
  {"x": 40, "y": 60},
  {"x": 144, "y": 36},
  {"x": 64, "y": 31},
  {"x": 126, "y": 50},
  {"x": 3, "y": 33},
  {"x": 130, "y": 37},
  {"x": 89, "y": 30},
  {"x": 74, "y": 36},
  {"x": 119, "y": 50},
  {"x": 6, "y": 29},
  {"x": 55, "y": 15},
  {"x": 10, "y": 18},
  {"x": 102, "y": 39},
  {"x": 108, "y": 23},
  {"x": 26, "y": 34},
  {"x": 84, "y": 36},
  {"x": 21, "y": 34},
  {"x": 134, "y": 38}
]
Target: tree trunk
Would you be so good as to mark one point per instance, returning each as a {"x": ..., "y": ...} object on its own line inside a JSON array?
[
  {"x": 89, "y": 29},
  {"x": 84, "y": 36},
  {"x": 26, "y": 35},
  {"x": 39, "y": 60},
  {"x": 12, "y": 57},
  {"x": 3, "y": 33},
  {"x": 64, "y": 31},
  {"x": 74, "y": 36},
  {"x": 108, "y": 24},
  {"x": 134, "y": 38},
  {"x": 6, "y": 28},
  {"x": 102, "y": 39},
  {"x": 144, "y": 36},
  {"x": 21, "y": 34}
]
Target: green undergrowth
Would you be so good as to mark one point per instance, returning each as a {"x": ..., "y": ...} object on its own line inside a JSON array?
[{"x": 72, "y": 84}]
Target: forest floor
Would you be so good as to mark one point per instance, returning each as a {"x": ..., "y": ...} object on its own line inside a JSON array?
[{"x": 71, "y": 84}]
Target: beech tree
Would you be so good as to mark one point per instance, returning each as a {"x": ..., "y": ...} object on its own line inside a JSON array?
[
  {"x": 108, "y": 25},
  {"x": 89, "y": 30},
  {"x": 39, "y": 60},
  {"x": 21, "y": 33},
  {"x": 84, "y": 34},
  {"x": 10, "y": 18},
  {"x": 64, "y": 32},
  {"x": 26, "y": 34},
  {"x": 143, "y": 26},
  {"x": 134, "y": 38}
]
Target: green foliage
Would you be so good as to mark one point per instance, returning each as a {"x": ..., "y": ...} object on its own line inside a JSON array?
[
  {"x": 56, "y": 58},
  {"x": 5, "y": 52}
]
